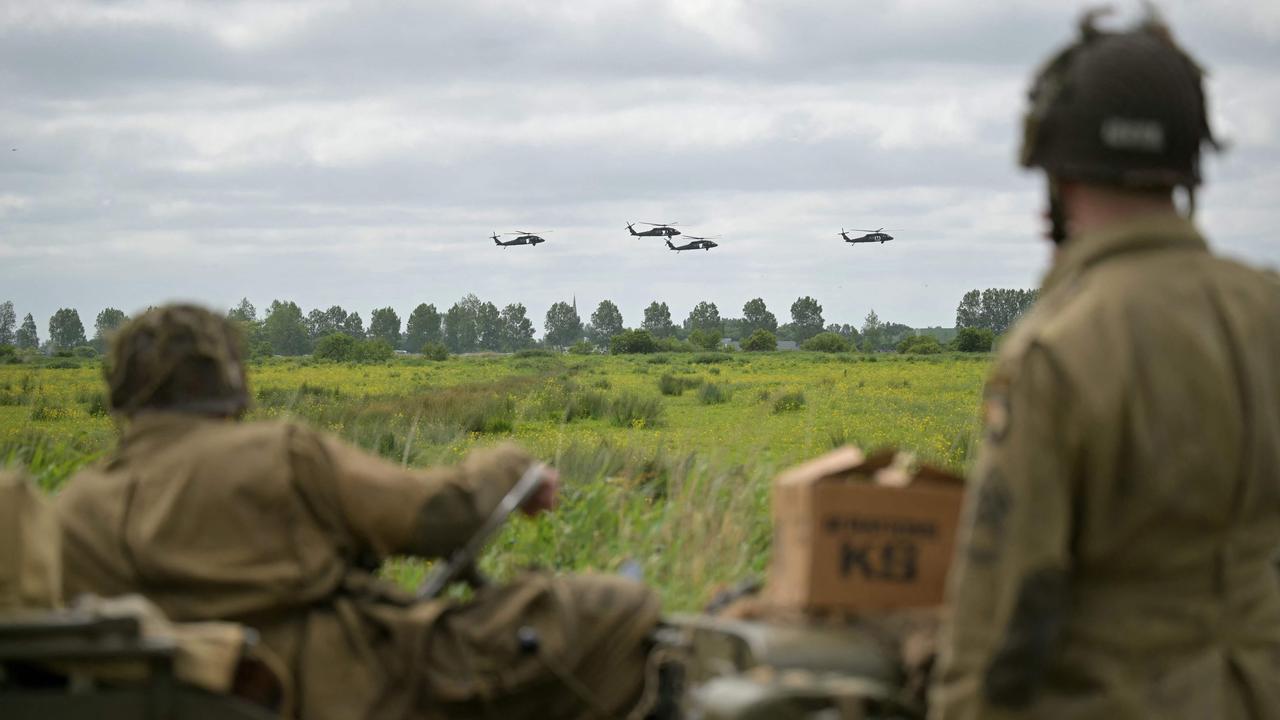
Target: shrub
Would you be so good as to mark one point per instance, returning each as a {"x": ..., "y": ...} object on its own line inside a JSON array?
[
  {"x": 669, "y": 384},
  {"x": 705, "y": 339},
  {"x": 437, "y": 351},
  {"x": 584, "y": 405},
  {"x": 582, "y": 347},
  {"x": 338, "y": 347},
  {"x": 632, "y": 341},
  {"x": 920, "y": 345},
  {"x": 9, "y": 355},
  {"x": 760, "y": 341},
  {"x": 633, "y": 411},
  {"x": 490, "y": 415},
  {"x": 709, "y": 358},
  {"x": 826, "y": 342},
  {"x": 373, "y": 351},
  {"x": 788, "y": 402},
  {"x": 63, "y": 364},
  {"x": 973, "y": 340},
  {"x": 85, "y": 351},
  {"x": 44, "y": 409},
  {"x": 714, "y": 394},
  {"x": 673, "y": 345},
  {"x": 526, "y": 353}
]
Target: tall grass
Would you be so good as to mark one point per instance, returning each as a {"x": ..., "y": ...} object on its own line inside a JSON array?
[{"x": 691, "y": 525}]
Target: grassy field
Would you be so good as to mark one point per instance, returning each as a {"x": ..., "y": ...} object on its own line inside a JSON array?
[{"x": 666, "y": 459}]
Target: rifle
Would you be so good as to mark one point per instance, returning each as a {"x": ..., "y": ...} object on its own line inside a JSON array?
[{"x": 461, "y": 564}]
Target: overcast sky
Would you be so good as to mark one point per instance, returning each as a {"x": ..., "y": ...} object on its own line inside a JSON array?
[{"x": 360, "y": 153}]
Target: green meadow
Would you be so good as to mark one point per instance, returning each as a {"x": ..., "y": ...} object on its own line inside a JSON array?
[{"x": 666, "y": 459}]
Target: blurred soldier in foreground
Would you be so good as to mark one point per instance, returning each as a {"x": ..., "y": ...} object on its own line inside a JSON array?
[
  {"x": 1116, "y": 557},
  {"x": 279, "y": 527}
]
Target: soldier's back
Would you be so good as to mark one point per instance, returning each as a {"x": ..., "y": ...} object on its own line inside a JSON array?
[
  {"x": 1172, "y": 357},
  {"x": 204, "y": 516}
]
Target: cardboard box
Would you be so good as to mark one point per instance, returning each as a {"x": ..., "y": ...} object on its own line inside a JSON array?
[{"x": 857, "y": 533}]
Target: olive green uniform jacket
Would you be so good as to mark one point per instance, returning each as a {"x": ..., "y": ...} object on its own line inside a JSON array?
[
  {"x": 279, "y": 527},
  {"x": 1116, "y": 553}
]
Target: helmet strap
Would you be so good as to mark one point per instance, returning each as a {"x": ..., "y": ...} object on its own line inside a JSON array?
[{"x": 1057, "y": 213}]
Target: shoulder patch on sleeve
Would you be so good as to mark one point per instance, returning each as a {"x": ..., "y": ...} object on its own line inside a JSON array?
[{"x": 996, "y": 413}]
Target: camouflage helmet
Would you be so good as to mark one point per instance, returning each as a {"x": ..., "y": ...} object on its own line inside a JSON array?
[
  {"x": 1119, "y": 108},
  {"x": 181, "y": 358}
]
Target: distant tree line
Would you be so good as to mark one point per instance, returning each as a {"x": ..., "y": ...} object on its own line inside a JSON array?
[
  {"x": 474, "y": 325},
  {"x": 994, "y": 309},
  {"x": 66, "y": 332}
]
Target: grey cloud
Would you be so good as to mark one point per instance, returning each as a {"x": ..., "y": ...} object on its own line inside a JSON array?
[{"x": 169, "y": 156}]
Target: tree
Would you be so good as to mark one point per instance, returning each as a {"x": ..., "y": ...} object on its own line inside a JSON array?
[
  {"x": 460, "y": 327},
  {"x": 327, "y": 322},
  {"x": 8, "y": 323},
  {"x": 245, "y": 315},
  {"x": 705, "y": 339},
  {"x": 423, "y": 327},
  {"x": 337, "y": 347},
  {"x": 106, "y": 323},
  {"x": 847, "y": 331},
  {"x": 354, "y": 326},
  {"x": 632, "y": 341},
  {"x": 972, "y": 339},
  {"x": 373, "y": 350},
  {"x": 755, "y": 316},
  {"x": 760, "y": 341},
  {"x": 826, "y": 342},
  {"x": 920, "y": 345},
  {"x": 563, "y": 326},
  {"x": 245, "y": 312},
  {"x": 517, "y": 330},
  {"x": 26, "y": 336},
  {"x": 894, "y": 333},
  {"x": 65, "y": 330},
  {"x": 285, "y": 330},
  {"x": 384, "y": 324},
  {"x": 435, "y": 351},
  {"x": 872, "y": 332},
  {"x": 995, "y": 309},
  {"x": 606, "y": 322},
  {"x": 657, "y": 320},
  {"x": 461, "y": 332},
  {"x": 969, "y": 311},
  {"x": 488, "y": 327},
  {"x": 806, "y": 318},
  {"x": 705, "y": 316}
]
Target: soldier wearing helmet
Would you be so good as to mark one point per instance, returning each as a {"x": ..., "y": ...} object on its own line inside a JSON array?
[
  {"x": 282, "y": 528},
  {"x": 1116, "y": 554}
]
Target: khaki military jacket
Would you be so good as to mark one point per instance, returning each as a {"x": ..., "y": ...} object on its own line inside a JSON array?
[
  {"x": 273, "y": 525},
  {"x": 1116, "y": 556}
]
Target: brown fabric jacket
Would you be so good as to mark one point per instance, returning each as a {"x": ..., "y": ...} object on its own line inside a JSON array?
[
  {"x": 1116, "y": 556},
  {"x": 269, "y": 524}
]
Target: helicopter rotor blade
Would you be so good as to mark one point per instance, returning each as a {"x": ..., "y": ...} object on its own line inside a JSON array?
[{"x": 658, "y": 224}]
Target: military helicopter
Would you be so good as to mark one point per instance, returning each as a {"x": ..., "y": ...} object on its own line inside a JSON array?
[
  {"x": 870, "y": 237},
  {"x": 699, "y": 243},
  {"x": 524, "y": 237},
  {"x": 664, "y": 230}
]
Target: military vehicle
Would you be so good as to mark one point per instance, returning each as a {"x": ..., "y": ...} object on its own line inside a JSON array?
[
  {"x": 523, "y": 237},
  {"x": 79, "y": 663},
  {"x": 699, "y": 243},
  {"x": 871, "y": 236},
  {"x": 663, "y": 230}
]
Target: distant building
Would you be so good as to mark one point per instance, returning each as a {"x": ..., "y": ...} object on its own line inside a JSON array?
[{"x": 788, "y": 345}]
